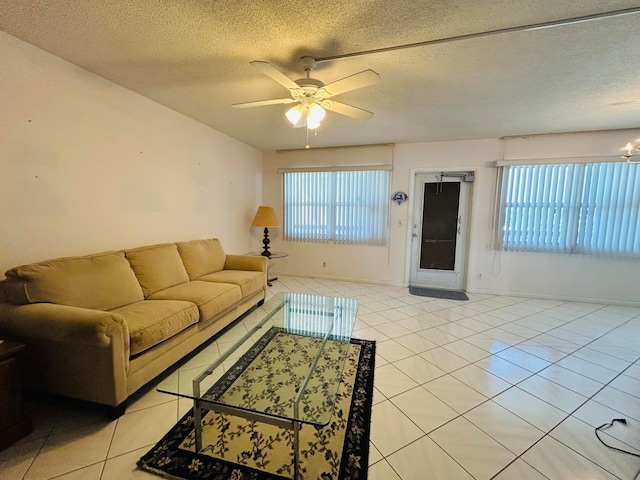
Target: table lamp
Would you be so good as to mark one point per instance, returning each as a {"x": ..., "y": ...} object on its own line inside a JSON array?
[{"x": 265, "y": 217}]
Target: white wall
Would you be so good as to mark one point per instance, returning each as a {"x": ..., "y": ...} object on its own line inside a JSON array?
[
  {"x": 87, "y": 166},
  {"x": 362, "y": 263},
  {"x": 580, "y": 277},
  {"x": 575, "y": 277}
]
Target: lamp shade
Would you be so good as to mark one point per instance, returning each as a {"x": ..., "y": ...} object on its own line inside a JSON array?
[
  {"x": 294, "y": 114},
  {"x": 316, "y": 112},
  {"x": 265, "y": 217}
]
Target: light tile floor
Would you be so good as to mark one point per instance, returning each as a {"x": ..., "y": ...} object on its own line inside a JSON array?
[{"x": 496, "y": 387}]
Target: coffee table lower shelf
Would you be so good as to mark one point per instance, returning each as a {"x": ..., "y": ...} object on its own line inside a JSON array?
[
  {"x": 199, "y": 405},
  {"x": 309, "y": 335},
  {"x": 289, "y": 423}
]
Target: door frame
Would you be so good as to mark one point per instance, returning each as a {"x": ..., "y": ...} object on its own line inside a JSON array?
[{"x": 413, "y": 173}]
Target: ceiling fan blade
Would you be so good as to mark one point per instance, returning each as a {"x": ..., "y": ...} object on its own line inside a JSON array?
[
  {"x": 348, "y": 110},
  {"x": 358, "y": 80},
  {"x": 270, "y": 71},
  {"x": 261, "y": 103}
]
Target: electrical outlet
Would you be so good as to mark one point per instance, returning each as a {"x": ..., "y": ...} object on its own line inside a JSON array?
[
  {"x": 479, "y": 276},
  {"x": 324, "y": 264}
]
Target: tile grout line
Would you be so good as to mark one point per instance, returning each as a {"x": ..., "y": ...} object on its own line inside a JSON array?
[
  {"x": 459, "y": 414},
  {"x": 384, "y": 457},
  {"x": 519, "y": 457},
  {"x": 579, "y": 406},
  {"x": 563, "y": 420},
  {"x": 532, "y": 374},
  {"x": 514, "y": 385}
]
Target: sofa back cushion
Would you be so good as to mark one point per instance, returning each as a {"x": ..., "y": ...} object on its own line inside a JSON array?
[
  {"x": 157, "y": 267},
  {"x": 101, "y": 281},
  {"x": 201, "y": 257}
]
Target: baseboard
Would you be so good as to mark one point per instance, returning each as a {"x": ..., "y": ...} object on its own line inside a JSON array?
[
  {"x": 562, "y": 298},
  {"x": 337, "y": 278},
  {"x": 599, "y": 301}
]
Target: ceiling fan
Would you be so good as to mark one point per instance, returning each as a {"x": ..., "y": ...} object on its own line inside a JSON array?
[{"x": 312, "y": 96}]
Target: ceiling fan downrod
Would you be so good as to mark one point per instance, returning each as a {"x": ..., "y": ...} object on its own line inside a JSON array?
[{"x": 309, "y": 64}]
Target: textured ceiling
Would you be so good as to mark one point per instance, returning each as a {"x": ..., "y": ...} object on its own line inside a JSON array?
[{"x": 193, "y": 56}]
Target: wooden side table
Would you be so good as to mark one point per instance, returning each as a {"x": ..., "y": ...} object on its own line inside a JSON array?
[
  {"x": 274, "y": 256},
  {"x": 14, "y": 422}
]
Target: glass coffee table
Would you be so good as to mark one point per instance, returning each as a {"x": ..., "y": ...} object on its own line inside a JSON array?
[{"x": 284, "y": 367}]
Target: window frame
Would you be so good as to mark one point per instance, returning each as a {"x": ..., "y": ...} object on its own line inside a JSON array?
[
  {"x": 586, "y": 223},
  {"x": 374, "y": 233}
]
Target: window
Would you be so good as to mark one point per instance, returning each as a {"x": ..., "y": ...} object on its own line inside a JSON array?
[
  {"x": 348, "y": 207},
  {"x": 571, "y": 208}
]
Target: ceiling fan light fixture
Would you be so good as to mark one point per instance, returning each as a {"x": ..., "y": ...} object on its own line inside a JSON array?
[
  {"x": 312, "y": 123},
  {"x": 316, "y": 112},
  {"x": 313, "y": 113},
  {"x": 312, "y": 95},
  {"x": 628, "y": 155},
  {"x": 294, "y": 114}
]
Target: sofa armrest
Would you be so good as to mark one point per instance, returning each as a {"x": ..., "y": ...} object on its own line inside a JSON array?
[
  {"x": 246, "y": 262},
  {"x": 77, "y": 352},
  {"x": 61, "y": 323}
]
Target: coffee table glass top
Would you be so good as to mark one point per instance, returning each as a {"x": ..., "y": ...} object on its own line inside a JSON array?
[{"x": 284, "y": 360}]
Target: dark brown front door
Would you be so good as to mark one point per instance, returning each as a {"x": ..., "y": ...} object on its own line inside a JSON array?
[{"x": 439, "y": 225}]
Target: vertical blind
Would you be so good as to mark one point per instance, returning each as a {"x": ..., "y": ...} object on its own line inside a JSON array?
[
  {"x": 347, "y": 207},
  {"x": 571, "y": 208}
]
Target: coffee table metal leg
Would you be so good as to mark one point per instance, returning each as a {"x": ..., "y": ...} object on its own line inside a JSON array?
[
  {"x": 296, "y": 450},
  {"x": 197, "y": 424}
]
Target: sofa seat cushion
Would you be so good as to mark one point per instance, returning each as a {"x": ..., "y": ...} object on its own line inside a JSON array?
[
  {"x": 211, "y": 298},
  {"x": 157, "y": 267},
  {"x": 152, "y": 321},
  {"x": 101, "y": 281},
  {"x": 201, "y": 256},
  {"x": 249, "y": 282}
]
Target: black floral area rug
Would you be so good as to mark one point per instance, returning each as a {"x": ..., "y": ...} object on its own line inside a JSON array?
[{"x": 238, "y": 449}]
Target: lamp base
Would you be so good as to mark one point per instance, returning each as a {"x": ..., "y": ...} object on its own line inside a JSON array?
[{"x": 266, "y": 242}]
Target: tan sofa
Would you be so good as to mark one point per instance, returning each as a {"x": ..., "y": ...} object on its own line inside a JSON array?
[{"x": 99, "y": 327}]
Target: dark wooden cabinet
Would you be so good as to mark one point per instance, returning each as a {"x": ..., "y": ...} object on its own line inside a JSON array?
[{"x": 14, "y": 422}]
